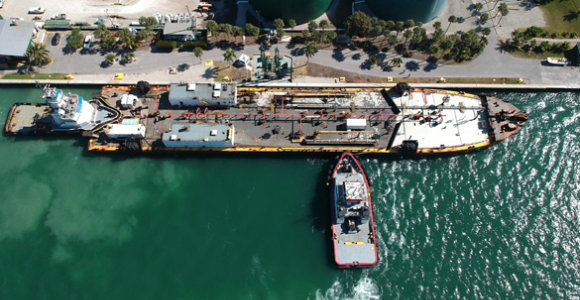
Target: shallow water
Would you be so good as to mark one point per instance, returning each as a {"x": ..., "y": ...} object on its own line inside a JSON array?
[{"x": 499, "y": 223}]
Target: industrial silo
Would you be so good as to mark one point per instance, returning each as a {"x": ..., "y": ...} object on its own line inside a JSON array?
[
  {"x": 397, "y": 10},
  {"x": 300, "y": 10}
]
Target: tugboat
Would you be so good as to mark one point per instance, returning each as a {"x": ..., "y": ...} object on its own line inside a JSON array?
[
  {"x": 353, "y": 228},
  {"x": 61, "y": 113}
]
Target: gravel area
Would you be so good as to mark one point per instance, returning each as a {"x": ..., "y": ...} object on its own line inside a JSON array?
[{"x": 90, "y": 10}]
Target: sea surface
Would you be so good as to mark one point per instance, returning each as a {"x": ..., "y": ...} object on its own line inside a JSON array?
[{"x": 501, "y": 223}]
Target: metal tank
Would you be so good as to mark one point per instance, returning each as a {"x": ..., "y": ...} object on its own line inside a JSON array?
[
  {"x": 397, "y": 10},
  {"x": 300, "y": 10}
]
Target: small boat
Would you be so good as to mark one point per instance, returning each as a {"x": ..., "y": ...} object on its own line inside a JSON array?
[
  {"x": 560, "y": 61},
  {"x": 353, "y": 228}
]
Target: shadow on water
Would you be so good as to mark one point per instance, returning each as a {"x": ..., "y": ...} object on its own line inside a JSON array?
[{"x": 320, "y": 207}]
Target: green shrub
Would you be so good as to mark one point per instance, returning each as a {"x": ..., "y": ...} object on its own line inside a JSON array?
[
  {"x": 192, "y": 44},
  {"x": 170, "y": 45}
]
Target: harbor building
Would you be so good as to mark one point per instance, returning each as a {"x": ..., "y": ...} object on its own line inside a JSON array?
[
  {"x": 203, "y": 94},
  {"x": 199, "y": 135},
  {"x": 15, "y": 37}
]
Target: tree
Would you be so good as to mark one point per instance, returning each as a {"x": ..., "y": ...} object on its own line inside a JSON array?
[
  {"x": 392, "y": 39},
  {"x": 101, "y": 31},
  {"x": 310, "y": 50},
  {"x": 252, "y": 30},
  {"x": 438, "y": 35},
  {"x": 331, "y": 36},
  {"x": 238, "y": 31},
  {"x": 399, "y": 26},
  {"x": 107, "y": 41},
  {"x": 409, "y": 23},
  {"x": 433, "y": 49},
  {"x": 312, "y": 26},
  {"x": 323, "y": 24},
  {"x": 307, "y": 35},
  {"x": 127, "y": 39},
  {"x": 280, "y": 33},
  {"x": 478, "y": 6},
  {"x": 229, "y": 56},
  {"x": 396, "y": 62},
  {"x": 227, "y": 29},
  {"x": 292, "y": 23},
  {"x": 198, "y": 52},
  {"x": 372, "y": 60},
  {"x": 37, "y": 55},
  {"x": 143, "y": 34},
  {"x": 407, "y": 34},
  {"x": 110, "y": 59},
  {"x": 128, "y": 57},
  {"x": 484, "y": 17},
  {"x": 503, "y": 10},
  {"x": 390, "y": 25},
  {"x": 213, "y": 27},
  {"x": 486, "y": 31},
  {"x": 147, "y": 21},
  {"x": 75, "y": 40},
  {"x": 452, "y": 19},
  {"x": 437, "y": 25},
  {"x": 446, "y": 44},
  {"x": 358, "y": 24},
  {"x": 278, "y": 24}
]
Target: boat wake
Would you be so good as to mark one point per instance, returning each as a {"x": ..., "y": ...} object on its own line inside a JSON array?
[{"x": 364, "y": 288}]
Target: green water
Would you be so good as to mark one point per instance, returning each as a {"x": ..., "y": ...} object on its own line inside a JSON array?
[{"x": 500, "y": 223}]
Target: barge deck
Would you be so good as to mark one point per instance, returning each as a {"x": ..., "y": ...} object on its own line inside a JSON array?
[{"x": 400, "y": 120}]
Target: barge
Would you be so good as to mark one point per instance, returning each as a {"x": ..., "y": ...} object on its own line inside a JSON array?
[{"x": 227, "y": 117}]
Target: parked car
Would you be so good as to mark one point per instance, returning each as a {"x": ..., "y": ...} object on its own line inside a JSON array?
[
  {"x": 58, "y": 17},
  {"x": 88, "y": 40},
  {"x": 36, "y": 10},
  {"x": 56, "y": 39},
  {"x": 1, "y": 3}
]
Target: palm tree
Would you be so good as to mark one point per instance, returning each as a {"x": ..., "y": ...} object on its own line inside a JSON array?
[
  {"x": 312, "y": 26},
  {"x": 110, "y": 59},
  {"x": 229, "y": 56},
  {"x": 127, "y": 39},
  {"x": 101, "y": 31},
  {"x": 310, "y": 50},
  {"x": 213, "y": 27},
  {"x": 198, "y": 52},
  {"x": 37, "y": 55},
  {"x": 227, "y": 29},
  {"x": 407, "y": 34},
  {"x": 396, "y": 62},
  {"x": 323, "y": 24},
  {"x": 452, "y": 19},
  {"x": 278, "y": 24},
  {"x": 128, "y": 57},
  {"x": 503, "y": 10},
  {"x": 237, "y": 31},
  {"x": 107, "y": 40}
]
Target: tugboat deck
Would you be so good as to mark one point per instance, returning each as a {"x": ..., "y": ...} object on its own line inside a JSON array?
[{"x": 353, "y": 225}]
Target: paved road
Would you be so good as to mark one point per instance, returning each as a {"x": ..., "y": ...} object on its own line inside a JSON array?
[{"x": 491, "y": 63}]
